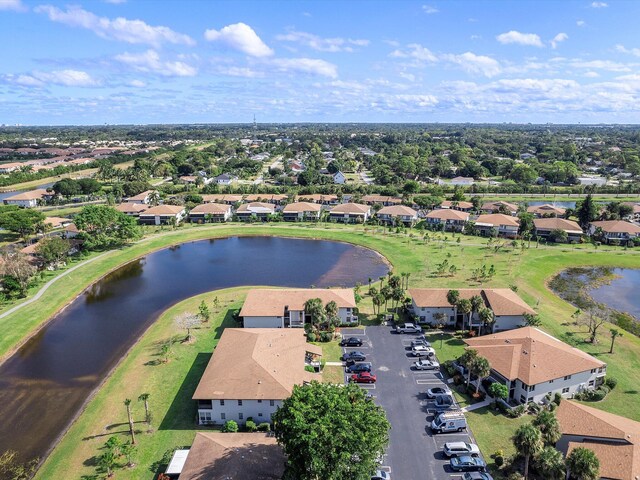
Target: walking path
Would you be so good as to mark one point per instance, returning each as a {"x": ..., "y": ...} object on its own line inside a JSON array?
[
  {"x": 485, "y": 403},
  {"x": 334, "y": 364}
]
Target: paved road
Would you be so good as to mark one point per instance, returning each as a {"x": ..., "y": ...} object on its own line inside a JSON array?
[{"x": 414, "y": 453}]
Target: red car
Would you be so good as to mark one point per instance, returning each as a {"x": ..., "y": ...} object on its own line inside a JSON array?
[{"x": 363, "y": 377}]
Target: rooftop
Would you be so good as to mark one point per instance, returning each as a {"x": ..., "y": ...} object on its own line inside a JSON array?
[
  {"x": 503, "y": 301},
  {"x": 497, "y": 219},
  {"x": 554, "y": 223},
  {"x": 211, "y": 208},
  {"x": 267, "y": 302},
  {"x": 164, "y": 210},
  {"x": 617, "y": 226},
  {"x": 448, "y": 214},
  {"x": 354, "y": 208},
  {"x": 301, "y": 207},
  {"x": 398, "y": 210}
]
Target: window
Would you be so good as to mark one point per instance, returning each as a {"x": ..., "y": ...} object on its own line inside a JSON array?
[
  {"x": 565, "y": 390},
  {"x": 594, "y": 370},
  {"x": 272, "y": 402},
  {"x": 592, "y": 383},
  {"x": 568, "y": 377},
  {"x": 239, "y": 403},
  {"x": 550, "y": 381},
  {"x": 523, "y": 399},
  {"x": 530, "y": 399},
  {"x": 532, "y": 388},
  {"x": 259, "y": 401},
  {"x": 205, "y": 417},
  {"x": 240, "y": 416},
  {"x": 259, "y": 414},
  {"x": 222, "y": 403},
  {"x": 223, "y": 416}
]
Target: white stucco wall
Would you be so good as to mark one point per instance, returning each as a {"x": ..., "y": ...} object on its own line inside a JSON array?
[
  {"x": 260, "y": 410},
  {"x": 577, "y": 383},
  {"x": 507, "y": 322},
  {"x": 263, "y": 322}
]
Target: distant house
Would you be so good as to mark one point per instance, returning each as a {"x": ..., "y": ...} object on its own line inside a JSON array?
[
  {"x": 283, "y": 308},
  {"x": 252, "y": 371},
  {"x": 448, "y": 219},
  {"x": 29, "y": 199},
  {"x": 527, "y": 156},
  {"x": 616, "y": 230},
  {"x": 241, "y": 456},
  {"x": 301, "y": 211},
  {"x": 635, "y": 214},
  {"x": 614, "y": 439},
  {"x": 499, "y": 207},
  {"x": 140, "y": 198},
  {"x": 258, "y": 210},
  {"x": 276, "y": 199},
  {"x": 221, "y": 198},
  {"x": 339, "y": 178},
  {"x": 57, "y": 222},
  {"x": 533, "y": 364},
  {"x": 210, "y": 212},
  {"x": 455, "y": 205},
  {"x": 546, "y": 210},
  {"x": 132, "y": 209},
  {"x": 544, "y": 227},
  {"x": 71, "y": 231},
  {"x": 430, "y": 306},
  {"x": 383, "y": 200},
  {"x": 462, "y": 181},
  {"x": 397, "y": 213},
  {"x": 162, "y": 215},
  {"x": 350, "y": 213},
  {"x": 10, "y": 167},
  {"x": 225, "y": 179},
  {"x": 318, "y": 198},
  {"x": 505, "y": 225}
]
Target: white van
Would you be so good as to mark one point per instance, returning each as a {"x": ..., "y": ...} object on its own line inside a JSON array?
[{"x": 452, "y": 421}]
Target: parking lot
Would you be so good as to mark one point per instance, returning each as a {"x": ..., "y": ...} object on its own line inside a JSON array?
[{"x": 414, "y": 452}]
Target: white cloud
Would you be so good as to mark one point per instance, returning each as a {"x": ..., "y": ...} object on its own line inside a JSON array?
[
  {"x": 520, "y": 38},
  {"x": 306, "y": 65},
  {"x": 322, "y": 44},
  {"x": 416, "y": 51},
  {"x": 591, "y": 74},
  {"x": 600, "y": 65},
  {"x": 240, "y": 36},
  {"x": 561, "y": 37},
  {"x": 475, "y": 64},
  {"x": 15, "y": 5},
  {"x": 137, "y": 83},
  {"x": 632, "y": 51},
  {"x": 115, "y": 2},
  {"x": 122, "y": 29},
  {"x": 150, "y": 62},
  {"x": 599, "y": 5},
  {"x": 429, "y": 9},
  {"x": 419, "y": 100},
  {"x": 581, "y": 23},
  {"x": 66, "y": 78},
  {"x": 240, "y": 72}
]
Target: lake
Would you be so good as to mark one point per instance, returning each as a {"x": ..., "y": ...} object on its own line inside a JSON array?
[
  {"x": 4, "y": 195},
  {"x": 45, "y": 383},
  {"x": 622, "y": 292}
]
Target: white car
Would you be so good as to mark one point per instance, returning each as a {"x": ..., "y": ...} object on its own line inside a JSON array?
[
  {"x": 435, "y": 391},
  {"x": 381, "y": 475},
  {"x": 426, "y": 365},
  {"x": 422, "y": 351},
  {"x": 456, "y": 449}
]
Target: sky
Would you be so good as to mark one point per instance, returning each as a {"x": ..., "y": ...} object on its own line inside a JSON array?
[{"x": 221, "y": 61}]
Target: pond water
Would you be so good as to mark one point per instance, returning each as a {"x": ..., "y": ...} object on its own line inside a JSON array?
[
  {"x": 45, "y": 383},
  {"x": 622, "y": 293},
  {"x": 4, "y": 195},
  {"x": 551, "y": 202}
]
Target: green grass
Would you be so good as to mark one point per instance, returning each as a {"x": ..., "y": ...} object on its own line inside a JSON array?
[
  {"x": 331, "y": 351},
  {"x": 493, "y": 430},
  {"x": 333, "y": 374}
]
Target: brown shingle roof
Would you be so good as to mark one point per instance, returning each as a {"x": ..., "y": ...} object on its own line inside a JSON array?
[
  {"x": 496, "y": 206},
  {"x": 617, "y": 226},
  {"x": 257, "y": 207},
  {"x": 141, "y": 196},
  {"x": 497, "y": 219},
  {"x": 381, "y": 199},
  {"x": 302, "y": 207},
  {"x": 546, "y": 209},
  {"x": 132, "y": 207},
  {"x": 211, "y": 208},
  {"x": 36, "y": 194},
  {"x": 398, "y": 210},
  {"x": 57, "y": 222},
  {"x": 316, "y": 197},
  {"x": 448, "y": 214},
  {"x": 256, "y": 364},
  {"x": 220, "y": 197},
  {"x": 532, "y": 355},
  {"x": 163, "y": 210},
  {"x": 237, "y": 456},
  {"x": 454, "y": 204},
  {"x": 554, "y": 223},
  {"x": 503, "y": 301},
  {"x": 351, "y": 208},
  {"x": 265, "y": 302},
  {"x": 617, "y": 460}
]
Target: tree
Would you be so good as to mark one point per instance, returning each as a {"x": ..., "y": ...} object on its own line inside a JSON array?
[
  {"x": 464, "y": 307},
  {"x": 378, "y": 300},
  {"x": 480, "y": 368},
  {"x": 187, "y": 321},
  {"x": 583, "y": 464},
  {"x": 313, "y": 307},
  {"x": 105, "y": 227},
  {"x": 532, "y": 319},
  {"x": 131, "y": 189},
  {"x": 559, "y": 236},
  {"x": 549, "y": 426},
  {"x": 331, "y": 310},
  {"x": 144, "y": 397},
  {"x": 127, "y": 404},
  {"x": 595, "y": 317},
  {"x": 476, "y": 304},
  {"x": 528, "y": 443},
  {"x": 107, "y": 461},
  {"x": 67, "y": 187},
  {"x": 586, "y": 211},
  {"x": 89, "y": 186},
  {"x": 487, "y": 318},
  {"x": 452, "y": 298},
  {"x": 129, "y": 450},
  {"x": 12, "y": 469},
  {"x": 550, "y": 464},
  {"x": 498, "y": 391},
  {"x": 16, "y": 270},
  {"x": 614, "y": 333},
  {"x": 53, "y": 250},
  {"x": 204, "y": 311},
  {"x": 526, "y": 223},
  {"x": 331, "y": 432},
  {"x": 24, "y": 222},
  {"x": 466, "y": 359},
  {"x": 387, "y": 293}
]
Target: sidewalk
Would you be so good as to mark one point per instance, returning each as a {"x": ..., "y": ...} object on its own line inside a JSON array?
[{"x": 485, "y": 403}]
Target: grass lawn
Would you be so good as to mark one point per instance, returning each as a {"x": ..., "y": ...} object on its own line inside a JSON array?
[
  {"x": 331, "y": 351},
  {"x": 36, "y": 183},
  {"x": 333, "y": 374},
  {"x": 63, "y": 211}
]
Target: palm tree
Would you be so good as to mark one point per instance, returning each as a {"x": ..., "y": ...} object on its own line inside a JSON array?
[
  {"x": 381, "y": 281},
  {"x": 614, "y": 333},
  {"x": 466, "y": 359},
  {"x": 464, "y": 307},
  {"x": 528, "y": 442},
  {"x": 476, "y": 304},
  {"x": 369, "y": 280},
  {"x": 582, "y": 464},
  {"x": 550, "y": 464},
  {"x": 387, "y": 292},
  {"x": 397, "y": 296},
  {"x": 487, "y": 318},
  {"x": 144, "y": 397},
  {"x": 107, "y": 461},
  {"x": 313, "y": 307},
  {"x": 480, "y": 368},
  {"x": 548, "y": 425},
  {"x": 452, "y": 297},
  {"x": 127, "y": 403}
]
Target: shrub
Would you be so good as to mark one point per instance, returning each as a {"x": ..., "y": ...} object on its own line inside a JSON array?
[
  {"x": 499, "y": 461},
  {"x": 533, "y": 407},
  {"x": 552, "y": 406},
  {"x": 251, "y": 426},
  {"x": 499, "y": 453},
  {"x": 604, "y": 388},
  {"x": 264, "y": 427},
  {"x": 449, "y": 368},
  {"x": 611, "y": 382},
  {"x": 326, "y": 336},
  {"x": 557, "y": 398},
  {"x": 230, "y": 426},
  {"x": 515, "y": 476},
  {"x": 311, "y": 337},
  {"x": 308, "y": 328},
  {"x": 309, "y": 368}
]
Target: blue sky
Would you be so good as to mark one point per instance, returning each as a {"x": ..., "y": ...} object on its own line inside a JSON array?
[{"x": 143, "y": 61}]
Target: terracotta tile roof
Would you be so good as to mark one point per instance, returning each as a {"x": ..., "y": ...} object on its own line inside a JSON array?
[
  {"x": 352, "y": 208},
  {"x": 256, "y": 207},
  {"x": 617, "y": 460},
  {"x": 36, "y": 194},
  {"x": 617, "y": 226},
  {"x": 237, "y": 456},
  {"x": 495, "y": 206},
  {"x": 211, "y": 208},
  {"x": 531, "y": 355},
  {"x": 256, "y": 364},
  {"x": 163, "y": 210},
  {"x": 398, "y": 210},
  {"x": 132, "y": 207},
  {"x": 381, "y": 199},
  {"x": 448, "y": 214},
  {"x": 266, "y": 302},
  {"x": 497, "y": 219},
  {"x": 546, "y": 209},
  {"x": 503, "y": 301},
  {"x": 302, "y": 207},
  {"x": 554, "y": 223},
  {"x": 453, "y": 204}
]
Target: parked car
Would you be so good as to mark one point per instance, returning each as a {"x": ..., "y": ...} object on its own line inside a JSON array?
[
  {"x": 457, "y": 449},
  {"x": 446, "y": 422},
  {"x": 476, "y": 476},
  {"x": 408, "y": 328},
  {"x": 421, "y": 351},
  {"x": 351, "y": 342},
  {"x": 444, "y": 402},
  {"x": 467, "y": 463},
  {"x": 363, "y": 377},
  {"x": 359, "y": 367},
  {"x": 354, "y": 356},
  {"x": 435, "y": 391},
  {"x": 380, "y": 475},
  {"x": 420, "y": 341},
  {"x": 426, "y": 365}
]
